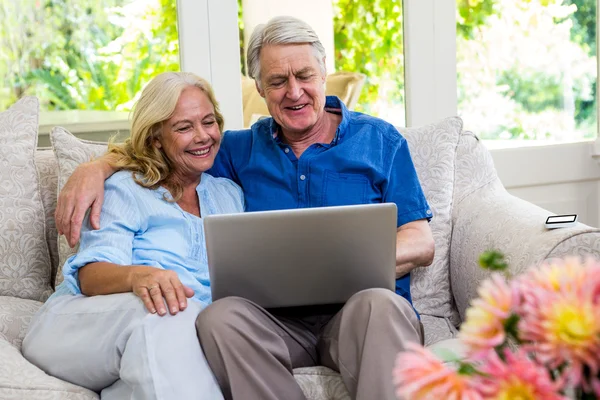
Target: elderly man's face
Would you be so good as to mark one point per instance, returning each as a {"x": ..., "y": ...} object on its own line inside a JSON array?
[{"x": 293, "y": 86}]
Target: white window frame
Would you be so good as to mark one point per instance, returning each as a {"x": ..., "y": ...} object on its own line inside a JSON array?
[
  {"x": 209, "y": 47},
  {"x": 429, "y": 60}
]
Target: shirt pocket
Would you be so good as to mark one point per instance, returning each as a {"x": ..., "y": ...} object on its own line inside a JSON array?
[{"x": 340, "y": 189}]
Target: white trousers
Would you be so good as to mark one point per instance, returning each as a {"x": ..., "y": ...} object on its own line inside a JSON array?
[{"x": 112, "y": 344}]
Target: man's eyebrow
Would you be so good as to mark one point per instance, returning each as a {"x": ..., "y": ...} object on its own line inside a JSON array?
[
  {"x": 276, "y": 76},
  {"x": 304, "y": 71}
]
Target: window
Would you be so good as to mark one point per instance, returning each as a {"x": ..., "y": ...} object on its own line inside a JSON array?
[
  {"x": 369, "y": 39},
  {"x": 360, "y": 36},
  {"x": 84, "y": 54},
  {"x": 527, "y": 69}
]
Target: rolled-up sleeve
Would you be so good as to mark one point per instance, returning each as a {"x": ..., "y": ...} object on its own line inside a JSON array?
[{"x": 113, "y": 242}]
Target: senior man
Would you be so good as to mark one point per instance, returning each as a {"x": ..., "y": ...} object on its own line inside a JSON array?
[{"x": 312, "y": 152}]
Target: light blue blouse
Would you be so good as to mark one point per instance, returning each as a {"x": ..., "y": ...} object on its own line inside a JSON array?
[{"x": 139, "y": 227}]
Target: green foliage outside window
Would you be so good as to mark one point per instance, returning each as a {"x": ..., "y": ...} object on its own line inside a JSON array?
[
  {"x": 84, "y": 54},
  {"x": 98, "y": 54},
  {"x": 368, "y": 38},
  {"x": 529, "y": 71}
]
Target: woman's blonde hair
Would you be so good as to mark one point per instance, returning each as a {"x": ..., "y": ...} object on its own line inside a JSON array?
[{"x": 150, "y": 166}]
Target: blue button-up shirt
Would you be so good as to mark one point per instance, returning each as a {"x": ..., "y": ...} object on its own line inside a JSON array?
[
  {"x": 368, "y": 161},
  {"x": 138, "y": 226}
]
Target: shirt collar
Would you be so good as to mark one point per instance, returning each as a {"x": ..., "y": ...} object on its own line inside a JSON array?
[
  {"x": 164, "y": 194},
  {"x": 332, "y": 104}
]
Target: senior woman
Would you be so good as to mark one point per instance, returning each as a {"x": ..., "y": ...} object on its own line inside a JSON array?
[{"x": 121, "y": 323}]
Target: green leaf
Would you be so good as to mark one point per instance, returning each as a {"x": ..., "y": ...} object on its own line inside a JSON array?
[
  {"x": 511, "y": 326},
  {"x": 493, "y": 260},
  {"x": 468, "y": 369}
]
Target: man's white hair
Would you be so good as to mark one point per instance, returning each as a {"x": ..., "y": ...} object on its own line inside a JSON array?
[{"x": 281, "y": 30}]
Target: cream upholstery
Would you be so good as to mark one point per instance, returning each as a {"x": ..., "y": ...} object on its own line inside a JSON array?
[
  {"x": 23, "y": 249},
  {"x": 472, "y": 211},
  {"x": 345, "y": 85}
]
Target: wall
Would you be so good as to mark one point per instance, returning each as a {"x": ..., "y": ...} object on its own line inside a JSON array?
[{"x": 563, "y": 178}]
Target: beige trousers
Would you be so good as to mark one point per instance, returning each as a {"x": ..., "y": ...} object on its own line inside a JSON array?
[{"x": 252, "y": 351}]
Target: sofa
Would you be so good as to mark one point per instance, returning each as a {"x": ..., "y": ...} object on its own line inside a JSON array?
[{"x": 472, "y": 212}]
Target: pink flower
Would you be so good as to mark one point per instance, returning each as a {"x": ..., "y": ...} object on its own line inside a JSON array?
[
  {"x": 592, "y": 279},
  {"x": 560, "y": 318},
  {"x": 556, "y": 275},
  {"x": 420, "y": 375},
  {"x": 561, "y": 328},
  {"x": 483, "y": 328},
  {"x": 516, "y": 378}
]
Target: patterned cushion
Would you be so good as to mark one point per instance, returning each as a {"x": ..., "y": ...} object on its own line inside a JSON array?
[
  {"x": 70, "y": 152},
  {"x": 21, "y": 380},
  {"x": 48, "y": 175},
  {"x": 24, "y": 257},
  {"x": 582, "y": 244},
  {"x": 15, "y": 316},
  {"x": 437, "y": 329},
  {"x": 321, "y": 383},
  {"x": 433, "y": 150}
]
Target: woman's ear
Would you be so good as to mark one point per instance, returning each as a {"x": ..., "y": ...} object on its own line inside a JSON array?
[{"x": 157, "y": 144}]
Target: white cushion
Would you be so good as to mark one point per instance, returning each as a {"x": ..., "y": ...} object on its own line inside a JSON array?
[
  {"x": 24, "y": 257},
  {"x": 48, "y": 176},
  {"x": 70, "y": 151},
  {"x": 433, "y": 150}
]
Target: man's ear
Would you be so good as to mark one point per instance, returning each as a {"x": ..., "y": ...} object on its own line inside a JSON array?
[{"x": 259, "y": 89}]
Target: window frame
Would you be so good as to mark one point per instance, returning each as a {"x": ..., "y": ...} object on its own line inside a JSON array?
[
  {"x": 199, "y": 23},
  {"x": 209, "y": 47},
  {"x": 430, "y": 60}
]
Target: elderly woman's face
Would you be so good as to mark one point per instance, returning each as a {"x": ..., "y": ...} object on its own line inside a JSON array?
[
  {"x": 293, "y": 86},
  {"x": 191, "y": 137}
]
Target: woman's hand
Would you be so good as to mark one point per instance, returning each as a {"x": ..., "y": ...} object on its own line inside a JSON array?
[{"x": 155, "y": 286}]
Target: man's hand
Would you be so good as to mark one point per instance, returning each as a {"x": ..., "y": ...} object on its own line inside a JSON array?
[
  {"x": 84, "y": 189},
  {"x": 155, "y": 286},
  {"x": 414, "y": 247}
]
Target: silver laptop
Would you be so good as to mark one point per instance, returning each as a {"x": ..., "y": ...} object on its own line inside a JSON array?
[{"x": 302, "y": 256}]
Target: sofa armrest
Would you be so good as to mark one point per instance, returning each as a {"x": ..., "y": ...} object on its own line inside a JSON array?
[{"x": 491, "y": 218}]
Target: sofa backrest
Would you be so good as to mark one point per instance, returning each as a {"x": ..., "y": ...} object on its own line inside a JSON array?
[
  {"x": 437, "y": 157},
  {"x": 433, "y": 150},
  {"x": 48, "y": 175},
  {"x": 24, "y": 256}
]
